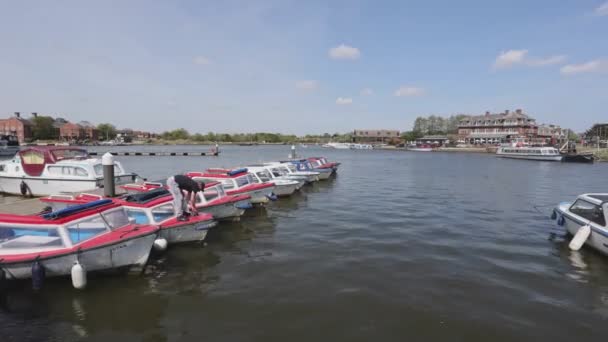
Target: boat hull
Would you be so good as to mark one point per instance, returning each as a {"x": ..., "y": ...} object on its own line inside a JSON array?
[
  {"x": 126, "y": 253},
  {"x": 598, "y": 239},
  {"x": 257, "y": 196},
  {"x": 531, "y": 157},
  {"x": 323, "y": 175},
  {"x": 187, "y": 232},
  {"x": 285, "y": 189},
  {"x": 224, "y": 211}
]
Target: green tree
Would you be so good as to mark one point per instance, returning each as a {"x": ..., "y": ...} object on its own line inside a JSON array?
[
  {"x": 42, "y": 128},
  {"x": 106, "y": 131}
]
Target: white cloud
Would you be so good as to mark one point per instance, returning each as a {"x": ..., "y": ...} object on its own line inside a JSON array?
[
  {"x": 344, "y": 52},
  {"x": 201, "y": 60},
  {"x": 511, "y": 58},
  {"x": 307, "y": 84},
  {"x": 405, "y": 91},
  {"x": 595, "y": 66},
  {"x": 602, "y": 10},
  {"x": 367, "y": 92},
  {"x": 344, "y": 101}
]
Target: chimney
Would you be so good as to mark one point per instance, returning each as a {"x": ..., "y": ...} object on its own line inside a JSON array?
[
  {"x": 507, "y": 112},
  {"x": 487, "y": 113},
  {"x": 518, "y": 111},
  {"x": 34, "y": 114},
  {"x": 17, "y": 114}
]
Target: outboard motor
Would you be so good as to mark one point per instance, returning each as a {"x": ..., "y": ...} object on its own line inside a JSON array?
[{"x": 38, "y": 274}]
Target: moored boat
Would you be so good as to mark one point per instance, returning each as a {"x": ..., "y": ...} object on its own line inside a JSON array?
[
  {"x": 305, "y": 165},
  {"x": 9, "y": 145},
  {"x": 213, "y": 199},
  {"x": 90, "y": 237},
  {"x": 420, "y": 148},
  {"x": 323, "y": 163},
  {"x": 290, "y": 171},
  {"x": 237, "y": 182},
  {"x": 585, "y": 219},
  {"x": 529, "y": 153},
  {"x": 152, "y": 207},
  {"x": 46, "y": 170},
  {"x": 282, "y": 187}
]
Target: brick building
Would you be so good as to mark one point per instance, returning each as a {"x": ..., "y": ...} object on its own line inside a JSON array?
[
  {"x": 372, "y": 136},
  {"x": 497, "y": 128},
  {"x": 17, "y": 126}
]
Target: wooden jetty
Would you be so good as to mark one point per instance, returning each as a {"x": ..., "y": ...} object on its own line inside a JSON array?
[{"x": 157, "y": 154}]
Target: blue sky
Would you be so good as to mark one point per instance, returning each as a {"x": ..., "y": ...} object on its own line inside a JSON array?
[{"x": 303, "y": 66}]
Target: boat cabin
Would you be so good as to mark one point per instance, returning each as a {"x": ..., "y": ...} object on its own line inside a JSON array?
[
  {"x": 591, "y": 208},
  {"x": 66, "y": 228},
  {"x": 231, "y": 179}
]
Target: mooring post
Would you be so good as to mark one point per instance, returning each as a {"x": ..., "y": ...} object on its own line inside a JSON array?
[
  {"x": 293, "y": 151},
  {"x": 108, "y": 175}
]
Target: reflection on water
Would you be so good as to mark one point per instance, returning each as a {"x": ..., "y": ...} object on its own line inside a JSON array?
[{"x": 419, "y": 246}]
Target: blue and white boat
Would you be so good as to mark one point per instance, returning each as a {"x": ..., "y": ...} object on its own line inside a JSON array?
[{"x": 585, "y": 219}]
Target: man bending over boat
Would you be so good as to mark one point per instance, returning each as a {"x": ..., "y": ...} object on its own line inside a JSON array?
[{"x": 178, "y": 186}]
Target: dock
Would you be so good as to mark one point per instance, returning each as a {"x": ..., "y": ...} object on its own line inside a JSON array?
[{"x": 157, "y": 154}]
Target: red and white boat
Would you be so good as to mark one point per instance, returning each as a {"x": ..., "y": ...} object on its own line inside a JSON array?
[
  {"x": 213, "y": 199},
  {"x": 46, "y": 170},
  {"x": 152, "y": 207},
  {"x": 237, "y": 182},
  {"x": 323, "y": 163},
  {"x": 91, "y": 237}
]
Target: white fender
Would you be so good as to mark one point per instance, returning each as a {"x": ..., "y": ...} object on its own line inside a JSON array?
[
  {"x": 580, "y": 237},
  {"x": 79, "y": 276},
  {"x": 160, "y": 244}
]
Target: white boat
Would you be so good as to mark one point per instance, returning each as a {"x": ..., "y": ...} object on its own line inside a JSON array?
[
  {"x": 282, "y": 186},
  {"x": 47, "y": 170},
  {"x": 9, "y": 145},
  {"x": 529, "y": 153},
  {"x": 585, "y": 219},
  {"x": 213, "y": 199},
  {"x": 154, "y": 207},
  {"x": 420, "y": 148},
  {"x": 361, "y": 147},
  {"x": 95, "y": 236},
  {"x": 338, "y": 146},
  {"x": 237, "y": 182},
  {"x": 290, "y": 171}
]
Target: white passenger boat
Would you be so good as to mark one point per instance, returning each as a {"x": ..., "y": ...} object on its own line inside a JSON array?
[
  {"x": 282, "y": 186},
  {"x": 530, "y": 153},
  {"x": 237, "y": 182},
  {"x": 47, "y": 170},
  {"x": 585, "y": 219}
]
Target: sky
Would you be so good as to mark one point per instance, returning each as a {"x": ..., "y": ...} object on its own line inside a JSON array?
[{"x": 303, "y": 67}]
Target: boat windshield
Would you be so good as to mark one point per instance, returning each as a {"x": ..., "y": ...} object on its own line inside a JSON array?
[
  {"x": 213, "y": 193},
  {"x": 292, "y": 168},
  {"x": 70, "y": 154},
  {"x": 589, "y": 211},
  {"x": 88, "y": 228},
  {"x": 163, "y": 212},
  {"x": 20, "y": 237},
  {"x": 264, "y": 176},
  {"x": 243, "y": 180},
  {"x": 138, "y": 216}
]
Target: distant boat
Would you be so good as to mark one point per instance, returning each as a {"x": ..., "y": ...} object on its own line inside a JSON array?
[
  {"x": 529, "y": 153},
  {"x": 338, "y": 146},
  {"x": 420, "y": 148}
]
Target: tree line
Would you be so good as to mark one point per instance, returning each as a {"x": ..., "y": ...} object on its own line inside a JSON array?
[
  {"x": 183, "y": 134},
  {"x": 433, "y": 125}
]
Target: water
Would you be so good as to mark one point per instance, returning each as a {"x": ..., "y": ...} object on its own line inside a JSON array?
[{"x": 398, "y": 246}]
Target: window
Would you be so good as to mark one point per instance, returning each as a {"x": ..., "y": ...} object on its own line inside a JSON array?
[
  {"x": 26, "y": 237},
  {"x": 33, "y": 157},
  {"x": 589, "y": 211},
  {"x": 78, "y": 171},
  {"x": 137, "y": 215},
  {"x": 116, "y": 218},
  {"x": 98, "y": 168},
  {"x": 163, "y": 212},
  {"x": 211, "y": 194},
  {"x": 264, "y": 176},
  {"x": 87, "y": 229},
  {"x": 241, "y": 181},
  {"x": 291, "y": 167},
  {"x": 277, "y": 172}
]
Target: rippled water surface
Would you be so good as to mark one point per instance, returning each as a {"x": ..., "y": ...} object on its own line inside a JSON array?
[{"x": 398, "y": 246}]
